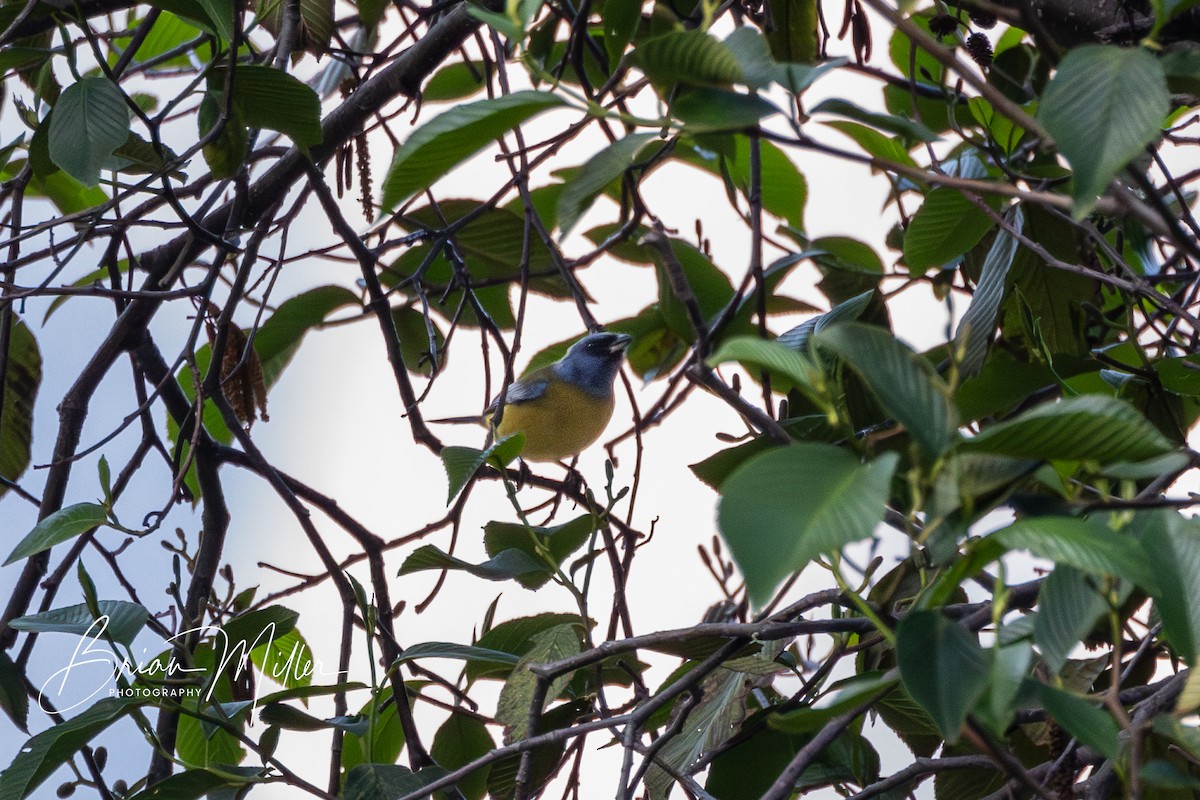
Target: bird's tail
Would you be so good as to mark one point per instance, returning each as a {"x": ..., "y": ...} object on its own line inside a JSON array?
[{"x": 478, "y": 419}]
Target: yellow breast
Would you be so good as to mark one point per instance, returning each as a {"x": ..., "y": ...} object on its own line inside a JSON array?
[{"x": 559, "y": 424}]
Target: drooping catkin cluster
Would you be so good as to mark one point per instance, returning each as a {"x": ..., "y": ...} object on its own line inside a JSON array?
[
  {"x": 980, "y": 49},
  {"x": 241, "y": 375}
]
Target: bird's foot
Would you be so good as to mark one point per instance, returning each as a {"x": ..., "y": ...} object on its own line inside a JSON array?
[{"x": 524, "y": 473}]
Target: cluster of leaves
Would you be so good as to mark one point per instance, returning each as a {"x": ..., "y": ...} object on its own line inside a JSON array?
[{"x": 1049, "y": 424}]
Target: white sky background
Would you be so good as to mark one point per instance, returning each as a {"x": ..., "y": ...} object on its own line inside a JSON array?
[{"x": 336, "y": 424}]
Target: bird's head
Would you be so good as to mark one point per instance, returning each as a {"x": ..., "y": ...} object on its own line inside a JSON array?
[{"x": 592, "y": 362}]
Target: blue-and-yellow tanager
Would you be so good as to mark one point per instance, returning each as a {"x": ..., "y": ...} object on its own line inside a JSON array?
[{"x": 564, "y": 407}]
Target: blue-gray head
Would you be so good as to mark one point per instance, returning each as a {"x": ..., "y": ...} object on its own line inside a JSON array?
[{"x": 592, "y": 362}]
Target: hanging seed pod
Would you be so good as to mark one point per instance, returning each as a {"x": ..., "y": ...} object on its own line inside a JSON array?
[
  {"x": 242, "y": 378},
  {"x": 983, "y": 20},
  {"x": 980, "y": 49},
  {"x": 860, "y": 35},
  {"x": 942, "y": 25},
  {"x": 363, "y": 163}
]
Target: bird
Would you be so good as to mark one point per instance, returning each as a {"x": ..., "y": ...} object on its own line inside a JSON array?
[{"x": 563, "y": 408}]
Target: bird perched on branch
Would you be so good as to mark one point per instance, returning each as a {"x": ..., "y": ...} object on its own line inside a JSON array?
[{"x": 562, "y": 408}]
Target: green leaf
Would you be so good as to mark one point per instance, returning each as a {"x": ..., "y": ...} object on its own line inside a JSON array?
[
  {"x": 517, "y": 696},
  {"x": 874, "y": 142},
  {"x": 1172, "y": 546},
  {"x": 221, "y": 14},
  {"x": 851, "y": 693},
  {"x": 64, "y": 524},
  {"x": 1093, "y": 727},
  {"x": 691, "y": 57},
  {"x": 461, "y": 463},
  {"x": 793, "y": 34},
  {"x": 847, "y": 311},
  {"x": 454, "y": 136},
  {"x": 460, "y": 740},
  {"x": 747, "y": 770},
  {"x": 255, "y": 629},
  {"x": 710, "y": 285},
  {"x": 285, "y": 659},
  {"x": 751, "y": 351},
  {"x": 717, "y": 468},
  {"x": 782, "y": 509},
  {"x": 1005, "y": 133},
  {"x": 1068, "y": 608},
  {"x": 384, "y": 746},
  {"x": 118, "y": 619},
  {"x": 1166, "y": 10},
  {"x": 849, "y": 267},
  {"x": 370, "y": 12},
  {"x": 169, "y": 33},
  {"x": 386, "y": 781},
  {"x": 503, "y": 566},
  {"x": 23, "y": 58},
  {"x": 1103, "y": 106},
  {"x": 293, "y": 719},
  {"x": 514, "y": 636},
  {"x": 315, "y": 24},
  {"x": 891, "y": 123},
  {"x": 978, "y": 324},
  {"x": 1166, "y": 775},
  {"x": 545, "y": 760},
  {"x": 942, "y": 667},
  {"x": 596, "y": 174},
  {"x": 194, "y": 784},
  {"x": 784, "y": 188},
  {"x": 913, "y": 61},
  {"x": 1180, "y": 374},
  {"x": 22, "y": 378},
  {"x": 277, "y": 341},
  {"x": 946, "y": 226},
  {"x": 619, "y": 19},
  {"x": 414, "y": 331},
  {"x": 139, "y": 157},
  {"x": 1009, "y": 667},
  {"x": 556, "y": 542},
  {"x": 491, "y": 242},
  {"x": 1156, "y": 467},
  {"x": 513, "y": 22},
  {"x": 1091, "y": 427},
  {"x": 310, "y": 691},
  {"x": 703, "y": 109},
  {"x": 225, "y": 152},
  {"x": 1182, "y": 68},
  {"x": 90, "y": 121},
  {"x": 456, "y": 81},
  {"x": 68, "y": 195},
  {"x": 911, "y": 723},
  {"x": 901, "y": 382},
  {"x": 270, "y": 98},
  {"x": 41, "y": 755},
  {"x": 13, "y": 697},
  {"x": 457, "y": 651},
  {"x": 711, "y": 722},
  {"x": 1084, "y": 545}
]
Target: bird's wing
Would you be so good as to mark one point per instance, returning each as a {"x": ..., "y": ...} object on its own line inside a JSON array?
[{"x": 522, "y": 391}]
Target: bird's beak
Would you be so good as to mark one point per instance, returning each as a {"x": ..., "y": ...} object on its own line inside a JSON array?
[{"x": 620, "y": 343}]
